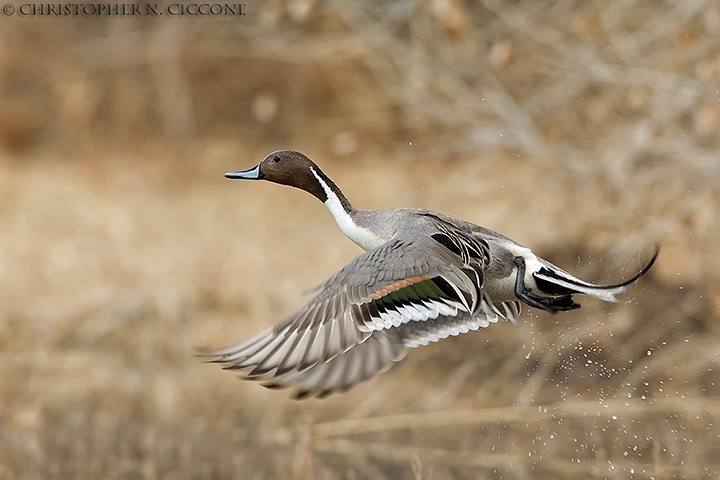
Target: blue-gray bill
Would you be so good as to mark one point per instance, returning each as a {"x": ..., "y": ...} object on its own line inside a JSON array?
[{"x": 250, "y": 174}]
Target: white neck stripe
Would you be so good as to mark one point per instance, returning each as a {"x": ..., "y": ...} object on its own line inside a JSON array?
[{"x": 363, "y": 237}]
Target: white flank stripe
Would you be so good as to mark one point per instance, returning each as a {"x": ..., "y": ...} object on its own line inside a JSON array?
[{"x": 532, "y": 264}]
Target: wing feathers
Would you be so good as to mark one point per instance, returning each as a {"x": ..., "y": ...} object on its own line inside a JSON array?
[
  {"x": 354, "y": 327},
  {"x": 409, "y": 292},
  {"x": 357, "y": 365}
]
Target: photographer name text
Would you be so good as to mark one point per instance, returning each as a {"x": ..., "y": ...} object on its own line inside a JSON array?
[{"x": 125, "y": 10}]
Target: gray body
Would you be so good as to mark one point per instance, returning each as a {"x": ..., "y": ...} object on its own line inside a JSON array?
[{"x": 499, "y": 273}]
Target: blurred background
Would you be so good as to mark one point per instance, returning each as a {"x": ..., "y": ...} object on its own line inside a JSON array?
[{"x": 587, "y": 131}]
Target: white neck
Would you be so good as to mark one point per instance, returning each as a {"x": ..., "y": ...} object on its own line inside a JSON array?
[{"x": 363, "y": 237}]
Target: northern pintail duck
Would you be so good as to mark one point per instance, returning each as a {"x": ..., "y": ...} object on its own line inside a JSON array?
[{"x": 424, "y": 276}]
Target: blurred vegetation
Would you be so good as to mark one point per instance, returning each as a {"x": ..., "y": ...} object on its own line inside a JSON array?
[{"x": 585, "y": 130}]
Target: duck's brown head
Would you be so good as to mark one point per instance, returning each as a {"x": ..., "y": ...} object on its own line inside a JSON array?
[{"x": 288, "y": 167}]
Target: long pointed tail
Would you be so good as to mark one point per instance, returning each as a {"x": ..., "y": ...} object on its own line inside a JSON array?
[{"x": 553, "y": 280}]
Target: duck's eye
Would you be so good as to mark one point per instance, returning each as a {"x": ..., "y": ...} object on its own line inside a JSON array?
[{"x": 276, "y": 159}]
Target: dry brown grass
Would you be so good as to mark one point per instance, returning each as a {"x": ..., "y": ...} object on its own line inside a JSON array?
[{"x": 586, "y": 130}]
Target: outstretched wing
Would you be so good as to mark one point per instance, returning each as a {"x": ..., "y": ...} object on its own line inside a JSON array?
[{"x": 406, "y": 293}]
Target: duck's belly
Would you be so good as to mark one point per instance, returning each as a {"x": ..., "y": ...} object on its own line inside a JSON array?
[{"x": 500, "y": 289}]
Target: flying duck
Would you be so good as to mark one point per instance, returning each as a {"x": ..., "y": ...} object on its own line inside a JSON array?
[{"x": 423, "y": 277}]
